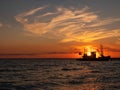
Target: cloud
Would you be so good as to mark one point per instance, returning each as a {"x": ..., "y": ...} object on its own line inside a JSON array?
[
  {"x": 32, "y": 54},
  {"x": 1, "y": 24},
  {"x": 79, "y": 25},
  {"x": 23, "y": 17},
  {"x": 118, "y": 41},
  {"x": 103, "y": 22},
  {"x": 112, "y": 49},
  {"x": 16, "y": 54},
  {"x": 88, "y": 35}
]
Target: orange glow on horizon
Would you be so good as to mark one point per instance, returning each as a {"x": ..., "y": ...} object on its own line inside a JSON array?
[{"x": 75, "y": 54}]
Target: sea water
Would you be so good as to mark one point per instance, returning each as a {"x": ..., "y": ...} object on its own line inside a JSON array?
[{"x": 59, "y": 74}]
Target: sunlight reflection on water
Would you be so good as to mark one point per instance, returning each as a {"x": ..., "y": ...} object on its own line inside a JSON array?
[{"x": 59, "y": 75}]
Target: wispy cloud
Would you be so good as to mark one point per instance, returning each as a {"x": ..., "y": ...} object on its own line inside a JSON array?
[
  {"x": 103, "y": 22},
  {"x": 23, "y": 17},
  {"x": 112, "y": 49},
  {"x": 88, "y": 35},
  {"x": 32, "y": 54},
  {"x": 1, "y": 24},
  {"x": 118, "y": 41},
  {"x": 80, "y": 25}
]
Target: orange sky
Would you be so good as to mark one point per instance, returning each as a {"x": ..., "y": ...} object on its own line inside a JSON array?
[
  {"x": 47, "y": 29},
  {"x": 73, "y": 53}
]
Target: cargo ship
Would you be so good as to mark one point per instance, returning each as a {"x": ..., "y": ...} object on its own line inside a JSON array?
[{"x": 93, "y": 57}]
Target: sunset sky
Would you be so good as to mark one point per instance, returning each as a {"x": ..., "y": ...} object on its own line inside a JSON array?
[{"x": 58, "y": 28}]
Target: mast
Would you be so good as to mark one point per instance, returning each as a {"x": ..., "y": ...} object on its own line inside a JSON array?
[
  {"x": 101, "y": 50},
  {"x": 84, "y": 50}
]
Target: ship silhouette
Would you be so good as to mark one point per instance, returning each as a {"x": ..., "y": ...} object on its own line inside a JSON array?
[{"x": 92, "y": 56}]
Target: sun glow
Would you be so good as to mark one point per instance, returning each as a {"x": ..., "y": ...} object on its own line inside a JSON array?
[
  {"x": 89, "y": 49},
  {"x": 89, "y": 53}
]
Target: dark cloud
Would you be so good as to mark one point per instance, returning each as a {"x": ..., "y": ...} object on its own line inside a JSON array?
[
  {"x": 19, "y": 54},
  {"x": 112, "y": 49}
]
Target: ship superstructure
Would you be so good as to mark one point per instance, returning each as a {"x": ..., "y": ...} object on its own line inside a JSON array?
[{"x": 92, "y": 55}]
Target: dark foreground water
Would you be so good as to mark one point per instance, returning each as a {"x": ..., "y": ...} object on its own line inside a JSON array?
[{"x": 59, "y": 74}]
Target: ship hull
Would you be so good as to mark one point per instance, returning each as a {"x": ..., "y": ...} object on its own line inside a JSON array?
[{"x": 94, "y": 59}]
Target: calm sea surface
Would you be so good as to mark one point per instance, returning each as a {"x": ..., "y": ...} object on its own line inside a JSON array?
[{"x": 59, "y": 74}]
